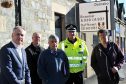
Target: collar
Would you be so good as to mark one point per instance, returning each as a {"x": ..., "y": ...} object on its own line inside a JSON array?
[
  {"x": 17, "y": 46},
  {"x": 34, "y": 45},
  {"x": 51, "y": 50},
  {"x": 72, "y": 41}
]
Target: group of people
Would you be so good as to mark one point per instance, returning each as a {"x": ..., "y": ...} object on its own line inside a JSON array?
[{"x": 60, "y": 63}]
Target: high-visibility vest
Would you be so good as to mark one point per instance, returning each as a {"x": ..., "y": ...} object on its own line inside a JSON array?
[{"x": 77, "y": 54}]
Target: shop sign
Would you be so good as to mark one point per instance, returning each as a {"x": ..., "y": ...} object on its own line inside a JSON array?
[{"x": 94, "y": 16}]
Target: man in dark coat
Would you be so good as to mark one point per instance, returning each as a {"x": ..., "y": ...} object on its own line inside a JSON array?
[
  {"x": 106, "y": 60},
  {"x": 33, "y": 51},
  {"x": 13, "y": 63},
  {"x": 53, "y": 66}
]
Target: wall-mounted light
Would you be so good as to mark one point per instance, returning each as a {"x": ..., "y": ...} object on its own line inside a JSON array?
[
  {"x": 6, "y": 3},
  {"x": 17, "y": 5}
]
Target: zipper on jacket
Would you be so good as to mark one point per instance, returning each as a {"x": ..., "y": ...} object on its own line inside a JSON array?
[
  {"x": 106, "y": 63},
  {"x": 100, "y": 51}
]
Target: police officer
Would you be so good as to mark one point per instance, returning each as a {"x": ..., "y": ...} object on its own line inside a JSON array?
[{"x": 76, "y": 51}]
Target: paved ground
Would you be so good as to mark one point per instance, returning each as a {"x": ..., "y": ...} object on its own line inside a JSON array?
[
  {"x": 124, "y": 74},
  {"x": 93, "y": 80}
]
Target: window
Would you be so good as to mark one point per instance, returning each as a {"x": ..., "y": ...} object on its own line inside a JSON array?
[{"x": 59, "y": 23}]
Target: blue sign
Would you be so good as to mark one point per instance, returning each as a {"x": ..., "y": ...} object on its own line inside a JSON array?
[{"x": 117, "y": 28}]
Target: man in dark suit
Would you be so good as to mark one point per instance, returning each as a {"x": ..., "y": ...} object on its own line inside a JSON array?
[
  {"x": 33, "y": 51},
  {"x": 14, "y": 68}
]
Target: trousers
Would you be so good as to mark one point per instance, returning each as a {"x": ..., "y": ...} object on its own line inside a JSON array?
[{"x": 76, "y": 78}]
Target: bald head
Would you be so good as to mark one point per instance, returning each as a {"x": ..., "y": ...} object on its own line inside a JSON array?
[{"x": 36, "y": 38}]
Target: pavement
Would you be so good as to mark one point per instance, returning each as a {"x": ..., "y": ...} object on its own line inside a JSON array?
[
  {"x": 93, "y": 79},
  {"x": 123, "y": 81}
]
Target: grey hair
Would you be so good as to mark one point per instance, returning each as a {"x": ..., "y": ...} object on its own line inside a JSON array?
[
  {"x": 18, "y": 27},
  {"x": 53, "y": 36}
]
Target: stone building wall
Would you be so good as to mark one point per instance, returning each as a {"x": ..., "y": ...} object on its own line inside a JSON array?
[
  {"x": 7, "y": 23},
  {"x": 37, "y": 16}
]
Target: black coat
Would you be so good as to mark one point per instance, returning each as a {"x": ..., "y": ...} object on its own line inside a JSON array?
[
  {"x": 104, "y": 59},
  {"x": 32, "y": 58}
]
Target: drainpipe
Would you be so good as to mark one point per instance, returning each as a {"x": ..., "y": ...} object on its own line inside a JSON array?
[
  {"x": 17, "y": 3},
  {"x": 18, "y": 21}
]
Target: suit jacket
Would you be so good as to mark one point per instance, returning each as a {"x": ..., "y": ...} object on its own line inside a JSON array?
[{"x": 13, "y": 69}]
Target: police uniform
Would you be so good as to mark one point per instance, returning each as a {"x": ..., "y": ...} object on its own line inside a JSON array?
[{"x": 77, "y": 55}]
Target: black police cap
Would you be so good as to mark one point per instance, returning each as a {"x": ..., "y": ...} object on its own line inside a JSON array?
[{"x": 71, "y": 27}]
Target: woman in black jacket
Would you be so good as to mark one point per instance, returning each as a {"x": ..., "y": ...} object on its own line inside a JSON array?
[{"x": 106, "y": 60}]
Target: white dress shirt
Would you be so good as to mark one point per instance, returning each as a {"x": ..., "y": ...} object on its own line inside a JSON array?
[{"x": 18, "y": 48}]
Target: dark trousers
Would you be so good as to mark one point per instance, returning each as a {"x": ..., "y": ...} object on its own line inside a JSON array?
[
  {"x": 103, "y": 81},
  {"x": 106, "y": 80},
  {"x": 36, "y": 80},
  {"x": 76, "y": 78}
]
